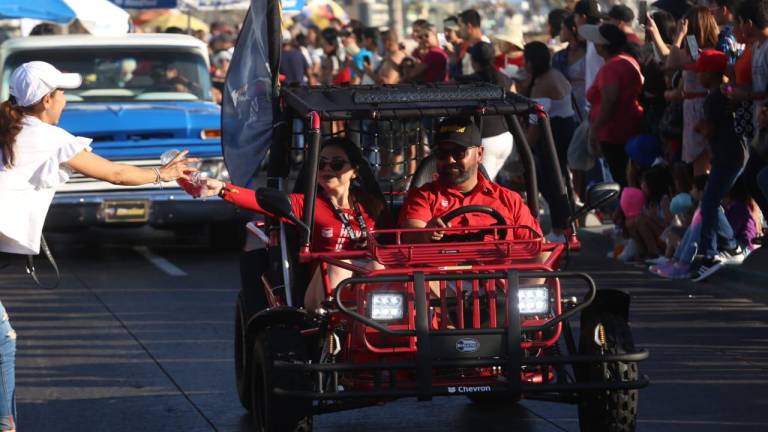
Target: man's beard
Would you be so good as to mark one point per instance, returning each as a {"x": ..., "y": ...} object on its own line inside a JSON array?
[{"x": 454, "y": 178}]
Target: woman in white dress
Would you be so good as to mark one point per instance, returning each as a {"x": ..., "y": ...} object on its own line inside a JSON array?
[{"x": 36, "y": 157}]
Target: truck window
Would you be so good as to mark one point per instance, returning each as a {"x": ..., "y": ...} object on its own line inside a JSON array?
[{"x": 120, "y": 75}]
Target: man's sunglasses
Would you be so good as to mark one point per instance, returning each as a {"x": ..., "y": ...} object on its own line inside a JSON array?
[
  {"x": 335, "y": 164},
  {"x": 457, "y": 153}
]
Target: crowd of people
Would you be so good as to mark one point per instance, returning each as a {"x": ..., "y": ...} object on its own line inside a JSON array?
[{"x": 666, "y": 102}]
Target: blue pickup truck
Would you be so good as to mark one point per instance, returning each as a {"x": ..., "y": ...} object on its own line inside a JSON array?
[{"x": 142, "y": 94}]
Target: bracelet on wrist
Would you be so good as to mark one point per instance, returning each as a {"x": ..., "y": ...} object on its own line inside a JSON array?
[{"x": 158, "y": 180}]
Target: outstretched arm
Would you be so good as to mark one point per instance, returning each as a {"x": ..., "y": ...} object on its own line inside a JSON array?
[{"x": 95, "y": 166}]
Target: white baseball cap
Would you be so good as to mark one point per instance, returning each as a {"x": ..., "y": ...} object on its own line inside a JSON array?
[
  {"x": 591, "y": 32},
  {"x": 31, "y": 81}
]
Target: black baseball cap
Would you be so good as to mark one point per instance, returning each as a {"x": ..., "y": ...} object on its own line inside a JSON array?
[
  {"x": 590, "y": 8},
  {"x": 622, "y": 13},
  {"x": 678, "y": 8},
  {"x": 458, "y": 130}
]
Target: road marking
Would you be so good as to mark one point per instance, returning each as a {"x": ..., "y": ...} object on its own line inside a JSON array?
[{"x": 159, "y": 262}]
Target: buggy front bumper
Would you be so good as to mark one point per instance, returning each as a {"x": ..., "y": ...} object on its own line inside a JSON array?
[
  {"x": 436, "y": 351},
  {"x": 388, "y": 388}
]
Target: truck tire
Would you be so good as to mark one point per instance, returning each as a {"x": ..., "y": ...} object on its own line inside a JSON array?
[
  {"x": 607, "y": 410},
  {"x": 272, "y": 413}
]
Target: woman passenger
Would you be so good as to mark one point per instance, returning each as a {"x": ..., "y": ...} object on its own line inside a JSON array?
[{"x": 344, "y": 211}]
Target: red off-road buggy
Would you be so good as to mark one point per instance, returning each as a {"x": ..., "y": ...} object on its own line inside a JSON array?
[{"x": 477, "y": 316}]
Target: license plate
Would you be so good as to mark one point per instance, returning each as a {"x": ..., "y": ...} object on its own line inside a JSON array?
[{"x": 125, "y": 211}]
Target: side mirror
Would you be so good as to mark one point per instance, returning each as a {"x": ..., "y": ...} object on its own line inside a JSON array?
[
  {"x": 601, "y": 194},
  {"x": 598, "y": 195},
  {"x": 277, "y": 202}
]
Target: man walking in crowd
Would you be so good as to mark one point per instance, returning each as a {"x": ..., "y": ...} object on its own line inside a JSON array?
[
  {"x": 472, "y": 33},
  {"x": 454, "y": 46},
  {"x": 588, "y": 12}
]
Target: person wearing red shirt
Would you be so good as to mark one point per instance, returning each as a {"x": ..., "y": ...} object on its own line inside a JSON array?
[
  {"x": 433, "y": 63},
  {"x": 510, "y": 45},
  {"x": 460, "y": 183},
  {"x": 344, "y": 212},
  {"x": 616, "y": 113}
]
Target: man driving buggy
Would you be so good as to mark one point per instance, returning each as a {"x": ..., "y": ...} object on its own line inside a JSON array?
[{"x": 460, "y": 183}]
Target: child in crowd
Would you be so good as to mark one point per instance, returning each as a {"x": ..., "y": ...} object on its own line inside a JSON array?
[
  {"x": 679, "y": 267},
  {"x": 644, "y": 152},
  {"x": 741, "y": 210},
  {"x": 729, "y": 156},
  {"x": 646, "y": 229},
  {"x": 631, "y": 204},
  {"x": 681, "y": 207}
]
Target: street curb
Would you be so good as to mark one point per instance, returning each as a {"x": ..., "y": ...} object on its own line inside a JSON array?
[
  {"x": 744, "y": 276},
  {"x": 754, "y": 270},
  {"x": 745, "y": 280}
]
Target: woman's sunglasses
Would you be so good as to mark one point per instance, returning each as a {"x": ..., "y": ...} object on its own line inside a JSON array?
[{"x": 335, "y": 164}]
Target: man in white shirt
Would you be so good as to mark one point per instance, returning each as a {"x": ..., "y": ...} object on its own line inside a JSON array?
[
  {"x": 470, "y": 31},
  {"x": 588, "y": 12}
]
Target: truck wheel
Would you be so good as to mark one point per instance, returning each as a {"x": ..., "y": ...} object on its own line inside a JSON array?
[
  {"x": 607, "y": 410},
  {"x": 272, "y": 413},
  {"x": 242, "y": 366}
]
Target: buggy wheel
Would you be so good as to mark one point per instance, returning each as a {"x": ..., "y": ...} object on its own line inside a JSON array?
[
  {"x": 607, "y": 410},
  {"x": 273, "y": 413},
  {"x": 242, "y": 365}
]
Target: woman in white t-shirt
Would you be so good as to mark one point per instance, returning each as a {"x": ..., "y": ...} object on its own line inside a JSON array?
[{"x": 36, "y": 157}]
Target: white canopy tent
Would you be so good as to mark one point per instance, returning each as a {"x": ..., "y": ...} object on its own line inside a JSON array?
[{"x": 100, "y": 17}]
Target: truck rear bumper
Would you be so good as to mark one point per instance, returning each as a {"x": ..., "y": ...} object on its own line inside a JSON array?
[{"x": 157, "y": 208}]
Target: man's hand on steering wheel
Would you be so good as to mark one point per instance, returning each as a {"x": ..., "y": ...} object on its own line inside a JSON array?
[
  {"x": 453, "y": 214},
  {"x": 437, "y": 223}
]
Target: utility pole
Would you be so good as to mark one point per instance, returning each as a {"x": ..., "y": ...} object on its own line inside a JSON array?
[{"x": 396, "y": 16}]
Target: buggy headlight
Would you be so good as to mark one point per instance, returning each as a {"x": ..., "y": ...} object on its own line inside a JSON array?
[
  {"x": 533, "y": 301},
  {"x": 386, "y": 306}
]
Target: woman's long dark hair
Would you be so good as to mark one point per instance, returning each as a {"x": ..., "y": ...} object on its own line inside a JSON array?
[
  {"x": 361, "y": 188},
  {"x": 537, "y": 57},
  {"x": 11, "y": 116},
  {"x": 483, "y": 55},
  {"x": 617, "y": 41},
  {"x": 570, "y": 23},
  {"x": 665, "y": 22}
]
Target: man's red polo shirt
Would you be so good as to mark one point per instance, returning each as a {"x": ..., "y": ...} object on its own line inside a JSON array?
[{"x": 436, "y": 199}]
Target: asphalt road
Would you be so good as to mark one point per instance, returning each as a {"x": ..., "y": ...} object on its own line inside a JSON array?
[{"x": 139, "y": 337}]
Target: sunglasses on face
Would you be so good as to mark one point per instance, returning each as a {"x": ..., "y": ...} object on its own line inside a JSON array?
[
  {"x": 457, "y": 153},
  {"x": 334, "y": 164}
]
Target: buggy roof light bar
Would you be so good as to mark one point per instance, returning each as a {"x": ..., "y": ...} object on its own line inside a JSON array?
[
  {"x": 428, "y": 94},
  {"x": 405, "y": 101}
]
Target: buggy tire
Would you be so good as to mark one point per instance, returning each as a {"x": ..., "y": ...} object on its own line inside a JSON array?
[
  {"x": 242, "y": 357},
  {"x": 272, "y": 413},
  {"x": 607, "y": 410},
  {"x": 250, "y": 301}
]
